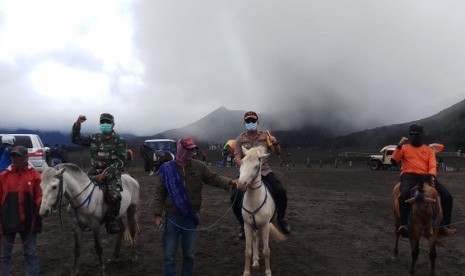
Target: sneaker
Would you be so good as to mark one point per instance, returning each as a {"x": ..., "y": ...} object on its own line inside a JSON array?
[
  {"x": 447, "y": 231},
  {"x": 285, "y": 228},
  {"x": 241, "y": 235},
  {"x": 403, "y": 231},
  {"x": 112, "y": 228}
]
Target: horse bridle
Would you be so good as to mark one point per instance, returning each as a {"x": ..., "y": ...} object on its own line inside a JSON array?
[
  {"x": 58, "y": 205},
  {"x": 255, "y": 177},
  {"x": 253, "y": 213}
]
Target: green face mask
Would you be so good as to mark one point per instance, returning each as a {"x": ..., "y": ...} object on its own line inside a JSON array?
[{"x": 105, "y": 128}]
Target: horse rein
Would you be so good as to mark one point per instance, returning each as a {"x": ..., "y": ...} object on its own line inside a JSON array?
[
  {"x": 58, "y": 205},
  {"x": 253, "y": 213}
]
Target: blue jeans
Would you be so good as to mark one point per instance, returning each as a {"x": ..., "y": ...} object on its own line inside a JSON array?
[
  {"x": 179, "y": 228},
  {"x": 29, "y": 242}
]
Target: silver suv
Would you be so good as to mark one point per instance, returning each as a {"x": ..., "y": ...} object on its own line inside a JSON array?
[{"x": 36, "y": 150}]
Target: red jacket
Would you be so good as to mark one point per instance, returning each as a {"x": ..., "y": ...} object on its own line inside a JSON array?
[{"x": 20, "y": 196}]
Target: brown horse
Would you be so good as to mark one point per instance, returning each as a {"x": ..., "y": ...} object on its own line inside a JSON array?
[{"x": 426, "y": 216}]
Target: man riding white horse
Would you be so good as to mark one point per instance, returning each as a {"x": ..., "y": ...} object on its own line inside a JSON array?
[
  {"x": 108, "y": 154},
  {"x": 253, "y": 138}
]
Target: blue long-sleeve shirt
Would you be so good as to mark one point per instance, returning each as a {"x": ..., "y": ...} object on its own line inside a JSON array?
[{"x": 5, "y": 160}]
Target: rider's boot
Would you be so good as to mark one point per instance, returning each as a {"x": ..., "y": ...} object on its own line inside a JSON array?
[
  {"x": 113, "y": 210},
  {"x": 404, "y": 210},
  {"x": 112, "y": 227},
  {"x": 447, "y": 230}
]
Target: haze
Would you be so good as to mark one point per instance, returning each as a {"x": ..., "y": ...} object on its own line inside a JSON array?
[{"x": 158, "y": 65}]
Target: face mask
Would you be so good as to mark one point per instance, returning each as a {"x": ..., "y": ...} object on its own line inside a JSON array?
[
  {"x": 416, "y": 140},
  {"x": 105, "y": 128},
  {"x": 251, "y": 126},
  {"x": 20, "y": 162}
]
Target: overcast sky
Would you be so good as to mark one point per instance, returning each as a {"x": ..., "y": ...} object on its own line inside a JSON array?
[{"x": 158, "y": 65}]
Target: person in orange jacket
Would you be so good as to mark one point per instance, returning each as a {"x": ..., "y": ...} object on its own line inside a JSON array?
[
  {"x": 419, "y": 164},
  {"x": 20, "y": 196}
]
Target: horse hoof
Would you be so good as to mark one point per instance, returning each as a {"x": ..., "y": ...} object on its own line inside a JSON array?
[{"x": 255, "y": 266}]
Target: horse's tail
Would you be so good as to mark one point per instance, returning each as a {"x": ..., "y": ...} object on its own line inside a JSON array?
[
  {"x": 276, "y": 234},
  {"x": 132, "y": 226}
]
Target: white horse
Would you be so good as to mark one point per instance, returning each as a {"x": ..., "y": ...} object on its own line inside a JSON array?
[
  {"x": 67, "y": 183},
  {"x": 258, "y": 209}
]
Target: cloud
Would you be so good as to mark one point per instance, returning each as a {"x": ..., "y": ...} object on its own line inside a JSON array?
[{"x": 158, "y": 65}]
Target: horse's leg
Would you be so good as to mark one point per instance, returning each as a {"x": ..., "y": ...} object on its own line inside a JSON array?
[
  {"x": 77, "y": 251},
  {"x": 396, "y": 213},
  {"x": 397, "y": 235},
  {"x": 432, "y": 254},
  {"x": 255, "y": 254},
  {"x": 266, "y": 248},
  {"x": 98, "y": 249},
  {"x": 133, "y": 229},
  {"x": 248, "y": 248},
  {"x": 415, "y": 247},
  {"x": 118, "y": 239}
]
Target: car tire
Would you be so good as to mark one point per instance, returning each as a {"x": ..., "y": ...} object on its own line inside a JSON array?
[{"x": 375, "y": 165}]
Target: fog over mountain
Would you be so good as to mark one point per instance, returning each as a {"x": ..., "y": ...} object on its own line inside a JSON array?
[
  {"x": 447, "y": 127},
  {"x": 161, "y": 65}
]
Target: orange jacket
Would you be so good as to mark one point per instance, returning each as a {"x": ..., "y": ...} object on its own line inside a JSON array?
[{"x": 417, "y": 160}]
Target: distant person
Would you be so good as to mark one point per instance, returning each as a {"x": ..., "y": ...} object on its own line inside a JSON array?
[
  {"x": 20, "y": 196},
  {"x": 56, "y": 155},
  {"x": 178, "y": 195},
  {"x": 252, "y": 137},
  {"x": 419, "y": 164},
  {"x": 7, "y": 145},
  {"x": 129, "y": 159},
  {"x": 108, "y": 156}
]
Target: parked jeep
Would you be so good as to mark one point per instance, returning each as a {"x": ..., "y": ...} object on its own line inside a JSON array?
[{"x": 383, "y": 160}]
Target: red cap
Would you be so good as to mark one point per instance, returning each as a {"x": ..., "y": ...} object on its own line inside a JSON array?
[
  {"x": 187, "y": 143},
  {"x": 250, "y": 115}
]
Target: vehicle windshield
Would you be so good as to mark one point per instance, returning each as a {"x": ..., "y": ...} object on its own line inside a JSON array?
[{"x": 162, "y": 145}]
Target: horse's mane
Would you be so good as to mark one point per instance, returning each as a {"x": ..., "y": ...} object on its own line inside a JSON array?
[
  {"x": 49, "y": 173},
  {"x": 69, "y": 166},
  {"x": 255, "y": 152}
]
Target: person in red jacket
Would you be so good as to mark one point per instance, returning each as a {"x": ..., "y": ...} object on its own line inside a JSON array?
[
  {"x": 419, "y": 164},
  {"x": 20, "y": 196}
]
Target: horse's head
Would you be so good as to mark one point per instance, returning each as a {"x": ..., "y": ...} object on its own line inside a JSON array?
[
  {"x": 250, "y": 169},
  {"x": 51, "y": 180}
]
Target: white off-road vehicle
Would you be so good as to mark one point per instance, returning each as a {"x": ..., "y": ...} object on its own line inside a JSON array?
[{"x": 383, "y": 160}]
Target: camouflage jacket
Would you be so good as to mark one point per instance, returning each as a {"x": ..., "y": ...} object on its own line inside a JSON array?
[{"x": 107, "y": 152}]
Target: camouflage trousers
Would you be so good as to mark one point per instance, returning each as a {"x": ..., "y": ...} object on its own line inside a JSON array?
[{"x": 113, "y": 200}]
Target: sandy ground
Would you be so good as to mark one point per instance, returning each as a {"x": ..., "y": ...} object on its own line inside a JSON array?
[{"x": 341, "y": 221}]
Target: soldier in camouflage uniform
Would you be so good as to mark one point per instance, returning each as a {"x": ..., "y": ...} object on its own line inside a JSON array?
[{"x": 108, "y": 154}]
